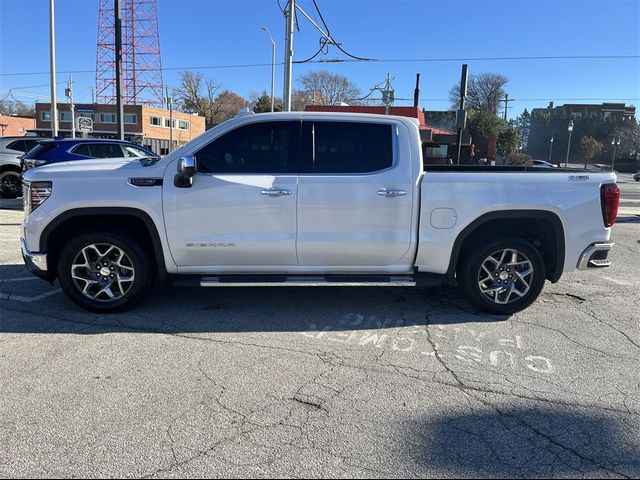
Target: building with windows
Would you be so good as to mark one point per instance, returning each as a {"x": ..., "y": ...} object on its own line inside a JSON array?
[
  {"x": 148, "y": 126},
  {"x": 578, "y": 111}
]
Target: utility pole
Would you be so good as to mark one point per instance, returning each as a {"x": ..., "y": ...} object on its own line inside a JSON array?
[
  {"x": 388, "y": 94},
  {"x": 288, "y": 54},
  {"x": 170, "y": 105},
  {"x": 416, "y": 92},
  {"x": 52, "y": 67},
  {"x": 93, "y": 94},
  {"x": 506, "y": 105},
  {"x": 119, "y": 107},
  {"x": 69, "y": 94},
  {"x": 461, "y": 117}
]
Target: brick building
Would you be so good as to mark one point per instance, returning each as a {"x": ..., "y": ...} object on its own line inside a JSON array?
[
  {"x": 606, "y": 111},
  {"x": 14, "y": 126},
  {"x": 148, "y": 126}
]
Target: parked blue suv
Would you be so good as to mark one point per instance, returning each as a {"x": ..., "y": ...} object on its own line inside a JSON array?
[{"x": 65, "y": 149}]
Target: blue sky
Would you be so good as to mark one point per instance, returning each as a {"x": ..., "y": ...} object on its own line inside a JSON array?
[{"x": 214, "y": 32}]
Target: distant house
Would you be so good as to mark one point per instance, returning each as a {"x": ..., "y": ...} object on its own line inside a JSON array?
[{"x": 577, "y": 111}]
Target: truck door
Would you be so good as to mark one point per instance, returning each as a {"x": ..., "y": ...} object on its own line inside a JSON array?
[
  {"x": 241, "y": 208},
  {"x": 355, "y": 198}
]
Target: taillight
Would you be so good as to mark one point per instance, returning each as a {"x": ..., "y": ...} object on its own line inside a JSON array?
[{"x": 609, "y": 199}]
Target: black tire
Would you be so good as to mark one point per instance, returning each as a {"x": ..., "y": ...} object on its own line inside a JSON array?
[
  {"x": 506, "y": 285},
  {"x": 10, "y": 184},
  {"x": 135, "y": 264}
]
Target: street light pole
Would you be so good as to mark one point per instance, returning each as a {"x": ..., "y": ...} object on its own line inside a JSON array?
[
  {"x": 615, "y": 144},
  {"x": 52, "y": 61},
  {"x": 288, "y": 55},
  {"x": 273, "y": 65},
  {"x": 550, "y": 148},
  {"x": 570, "y": 130}
]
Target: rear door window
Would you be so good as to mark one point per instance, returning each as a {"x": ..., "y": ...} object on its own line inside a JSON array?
[
  {"x": 105, "y": 150},
  {"x": 82, "y": 149},
  {"x": 39, "y": 150},
  {"x": 17, "y": 145},
  {"x": 349, "y": 147}
]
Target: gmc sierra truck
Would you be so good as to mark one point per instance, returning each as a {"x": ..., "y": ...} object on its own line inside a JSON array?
[{"x": 306, "y": 198}]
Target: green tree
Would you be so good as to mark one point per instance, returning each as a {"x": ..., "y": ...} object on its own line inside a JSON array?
[
  {"x": 522, "y": 124},
  {"x": 262, "y": 103},
  {"x": 482, "y": 123},
  {"x": 507, "y": 142},
  {"x": 589, "y": 147}
]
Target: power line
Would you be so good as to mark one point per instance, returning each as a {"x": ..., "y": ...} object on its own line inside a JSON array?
[{"x": 378, "y": 60}]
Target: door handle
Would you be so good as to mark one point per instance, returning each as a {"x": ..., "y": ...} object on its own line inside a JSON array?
[
  {"x": 391, "y": 193},
  {"x": 275, "y": 192}
]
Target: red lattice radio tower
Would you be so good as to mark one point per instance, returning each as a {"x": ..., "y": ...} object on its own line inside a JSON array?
[{"x": 141, "y": 64}]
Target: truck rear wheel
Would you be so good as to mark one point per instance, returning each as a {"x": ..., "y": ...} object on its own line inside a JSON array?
[
  {"x": 503, "y": 276},
  {"x": 104, "y": 271}
]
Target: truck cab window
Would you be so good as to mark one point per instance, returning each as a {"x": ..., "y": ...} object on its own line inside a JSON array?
[
  {"x": 350, "y": 147},
  {"x": 257, "y": 148}
]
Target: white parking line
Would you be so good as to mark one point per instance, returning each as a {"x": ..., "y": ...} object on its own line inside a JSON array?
[{"x": 20, "y": 298}]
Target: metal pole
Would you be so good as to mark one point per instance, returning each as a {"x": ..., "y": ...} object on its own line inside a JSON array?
[
  {"x": 613, "y": 160},
  {"x": 288, "y": 55},
  {"x": 550, "y": 147},
  {"x": 566, "y": 161},
  {"x": 273, "y": 72},
  {"x": 506, "y": 103},
  {"x": 52, "y": 67},
  {"x": 119, "y": 106},
  {"x": 170, "y": 104},
  {"x": 463, "y": 94},
  {"x": 72, "y": 107}
]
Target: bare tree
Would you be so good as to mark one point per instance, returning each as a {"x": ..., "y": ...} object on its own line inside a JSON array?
[
  {"x": 204, "y": 97},
  {"x": 324, "y": 88},
  {"x": 484, "y": 92},
  {"x": 21, "y": 109}
]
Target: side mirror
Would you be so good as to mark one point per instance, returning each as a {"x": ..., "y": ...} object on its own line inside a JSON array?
[{"x": 187, "y": 167}]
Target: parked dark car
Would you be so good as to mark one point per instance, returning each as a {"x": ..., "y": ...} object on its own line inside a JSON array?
[
  {"x": 11, "y": 149},
  {"x": 636, "y": 176},
  {"x": 66, "y": 149}
]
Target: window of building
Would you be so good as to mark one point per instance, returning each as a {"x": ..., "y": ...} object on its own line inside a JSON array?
[
  {"x": 168, "y": 122},
  {"x": 257, "y": 148},
  {"x": 606, "y": 115},
  {"x": 576, "y": 115},
  {"x": 350, "y": 147},
  {"x": 65, "y": 116},
  {"x": 130, "y": 118},
  {"x": 183, "y": 125},
  {"x": 436, "y": 151},
  {"x": 45, "y": 116},
  {"x": 156, "y": 121},
  {"x": 107, "y": 118}
]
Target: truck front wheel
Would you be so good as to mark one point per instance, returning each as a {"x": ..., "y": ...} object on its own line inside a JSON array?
[
  {"x": 104, "y": 271},
  {"x": 503, "y": 276}
]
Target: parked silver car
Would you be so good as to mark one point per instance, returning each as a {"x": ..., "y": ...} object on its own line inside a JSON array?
[{"x": 11, "y": 149}]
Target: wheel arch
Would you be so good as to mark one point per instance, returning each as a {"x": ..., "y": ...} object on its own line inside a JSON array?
[
  {"x": 542, "y": 226},
  {"x": 135, "y": 221}
]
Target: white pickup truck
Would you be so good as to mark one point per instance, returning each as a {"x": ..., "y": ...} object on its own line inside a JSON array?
[{"x": 308, "y": 198}]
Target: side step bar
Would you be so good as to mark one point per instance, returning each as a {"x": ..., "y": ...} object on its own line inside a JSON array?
[{"x": 329, "y": 280}]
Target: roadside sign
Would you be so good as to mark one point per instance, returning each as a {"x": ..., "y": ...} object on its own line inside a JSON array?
[{"x": 85, "y": 124}]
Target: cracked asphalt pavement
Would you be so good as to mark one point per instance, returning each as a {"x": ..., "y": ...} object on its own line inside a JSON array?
[{"x": 322, "y": 382}]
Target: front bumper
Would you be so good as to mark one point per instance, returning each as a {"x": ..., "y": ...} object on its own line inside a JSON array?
[
  {"x": 36, "y": 262},
  {"x": 595, "y": 255}
]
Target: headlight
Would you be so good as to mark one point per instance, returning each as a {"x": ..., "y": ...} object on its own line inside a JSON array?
[{"x": 38, "y": 192}]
